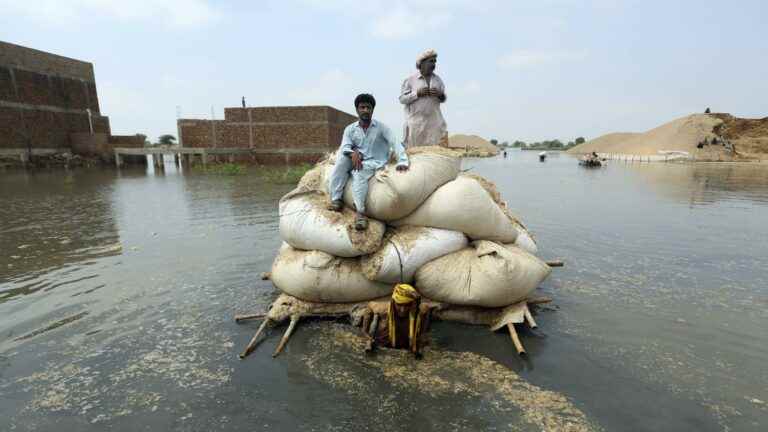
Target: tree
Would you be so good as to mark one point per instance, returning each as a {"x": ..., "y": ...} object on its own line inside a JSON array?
[
  {"x": 166, "y": 139},
  {"x": 505, "y": 144},
  {"x": 494, "y": 141},
  {"x": 518, "y": 144},
  {"x": 580, "y": 140}
]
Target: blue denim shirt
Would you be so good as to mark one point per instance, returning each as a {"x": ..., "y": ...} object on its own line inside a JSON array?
[{"x": 374, "y": 145}]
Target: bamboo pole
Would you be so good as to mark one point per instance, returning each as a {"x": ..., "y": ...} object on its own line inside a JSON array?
[
  {"x": 529, "y": 318},
  {"x": 538, "y": 300},
  {"x": 252, "y": 344},
  {"x": 515, "y": 339},
  {"x": 286, "y": 336},
  {"x": 239, "y": 318}
]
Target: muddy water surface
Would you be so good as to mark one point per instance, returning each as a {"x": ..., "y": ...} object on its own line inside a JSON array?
[{"x": 117, "y": 291}]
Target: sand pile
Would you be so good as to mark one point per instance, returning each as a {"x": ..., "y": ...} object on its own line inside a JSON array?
[
  {"x": 472, "y": 145},
  {"x": 682, "y": 134}
]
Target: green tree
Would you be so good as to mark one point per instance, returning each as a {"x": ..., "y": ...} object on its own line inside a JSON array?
[
  {"x": 580, "y": 140},
  {"x": 518, "y": 144},
  {"x": 494, "y": 141},
  {"x": 166, "y": 139}
]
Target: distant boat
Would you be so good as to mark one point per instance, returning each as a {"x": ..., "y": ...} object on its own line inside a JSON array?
[
  {"x": 542, "y": 156},
  {"x": 590, "y": 163}
]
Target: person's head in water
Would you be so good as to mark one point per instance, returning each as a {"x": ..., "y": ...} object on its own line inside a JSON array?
[
  {"x": 427, "y": 62},
  {"x": 364, "y": 105}
]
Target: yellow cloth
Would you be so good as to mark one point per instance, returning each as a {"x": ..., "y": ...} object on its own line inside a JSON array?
[{"x": 404, "y": 294}]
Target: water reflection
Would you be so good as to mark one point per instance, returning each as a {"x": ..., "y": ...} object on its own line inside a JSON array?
[
  {"x": 706, "y": 183},
  {"x": 52, "y": 221}
]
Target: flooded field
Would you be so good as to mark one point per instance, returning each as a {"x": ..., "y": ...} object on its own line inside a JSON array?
[{"x": 117, "y": 292}]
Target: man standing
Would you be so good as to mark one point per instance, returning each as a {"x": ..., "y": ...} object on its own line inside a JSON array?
[
  {"x": 422, "y": 93},
  {"x": 365, "y": 148}
]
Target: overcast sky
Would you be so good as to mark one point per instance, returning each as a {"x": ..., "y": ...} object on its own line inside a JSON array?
[{"x": 529, "y": 70}]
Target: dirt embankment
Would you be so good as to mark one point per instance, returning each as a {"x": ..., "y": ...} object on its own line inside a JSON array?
[
  {"x": 749, "y": 136},
  {"x": 703, "y": 136}
]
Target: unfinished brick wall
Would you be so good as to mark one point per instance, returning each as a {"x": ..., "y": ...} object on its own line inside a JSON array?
[
  {"x": 278, "y": 135},
  {"x": 44, "y": 97}
]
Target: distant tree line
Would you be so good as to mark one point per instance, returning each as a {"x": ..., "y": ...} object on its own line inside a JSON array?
[{"x": 554, "y": 144}]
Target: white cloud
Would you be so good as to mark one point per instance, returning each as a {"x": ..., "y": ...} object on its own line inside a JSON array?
[
  {"x": 528, "y": 58},
  {"x": 402, "y": 22},
  {"x": 399, "y": 19},
  {"x": 178, "y": 14}
]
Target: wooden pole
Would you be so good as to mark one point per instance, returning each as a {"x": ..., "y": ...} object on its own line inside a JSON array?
[
  {"x": 515, "y": 339},
  {"x": 252, "y": 344},
  {"x": 529, "y": 318},
  {"x": 284, "y": 340},
  {"x": 555, "y": 263},
  {"x": 239, "y": 318}
]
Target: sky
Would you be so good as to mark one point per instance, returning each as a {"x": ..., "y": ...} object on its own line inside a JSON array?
[{"x": 528, "y": 70}]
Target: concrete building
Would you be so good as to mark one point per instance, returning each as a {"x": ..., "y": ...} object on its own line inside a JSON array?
[
  {"x": 275, "y": 135},
  {"x": 49, "y": 103}
]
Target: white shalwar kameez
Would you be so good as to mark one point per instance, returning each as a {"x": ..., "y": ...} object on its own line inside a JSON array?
[{"x": 424, "y": 123}]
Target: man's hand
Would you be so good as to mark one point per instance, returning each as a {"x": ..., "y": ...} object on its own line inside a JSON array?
[
  {"x": 357, "y": 160},
  {"x": 436, "y": 93},
  {"x": 402, "y": 168},
  {"x": 424, "y": 91}
]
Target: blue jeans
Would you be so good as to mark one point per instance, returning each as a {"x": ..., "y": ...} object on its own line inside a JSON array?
[{"x": 339, "y": 177}]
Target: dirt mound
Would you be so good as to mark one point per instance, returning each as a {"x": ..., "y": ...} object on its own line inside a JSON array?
[
  {"x": 605, "y": 143},
  {"x": 472, "y": 145},
  {"x": 682, "y": 134},
  {"x": 749, "y": 136},
  {"x": 685, "y": 134}
]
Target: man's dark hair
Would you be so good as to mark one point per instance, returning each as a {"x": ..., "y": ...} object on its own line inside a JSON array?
[{"x": 365, "y": 97}]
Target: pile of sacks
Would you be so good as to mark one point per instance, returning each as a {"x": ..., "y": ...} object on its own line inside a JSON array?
[{"x": 445, "y": 232}]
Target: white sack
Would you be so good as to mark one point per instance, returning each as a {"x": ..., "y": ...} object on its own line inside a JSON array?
[
  {"x": 464, "y": 205},
  {"x": 525, "y": 240},
  {"x": 393, "y": 194},
  {"x": 485, "y": 274},
  {"x": 404, "y": 250},
  {"x": 306, "y": 223},
  {"x": 319, "y": 277}
]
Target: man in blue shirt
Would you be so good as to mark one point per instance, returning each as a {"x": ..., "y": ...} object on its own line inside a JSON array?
[{"x": 365, "y": 148}]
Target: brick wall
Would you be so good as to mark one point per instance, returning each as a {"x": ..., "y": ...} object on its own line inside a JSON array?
[
  {"x": 130, "y": 141},
  {"x": 44, "y": 97},
  {"x": 277, "y": 134}
]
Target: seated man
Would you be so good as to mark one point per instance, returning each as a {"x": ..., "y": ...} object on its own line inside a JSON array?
[
  {"x": 407, "y": 318},
  {"x": 365, "y": 148}
]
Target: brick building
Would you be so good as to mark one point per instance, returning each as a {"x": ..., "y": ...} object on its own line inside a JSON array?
[
  {"x": 50, "y": 102},
  {"x": 276, "y": 135}
]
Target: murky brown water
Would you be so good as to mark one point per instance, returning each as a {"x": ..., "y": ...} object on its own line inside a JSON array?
[{"x": 117, "y": 292}]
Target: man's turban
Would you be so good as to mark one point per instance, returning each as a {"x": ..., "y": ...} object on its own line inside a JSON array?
[{"x": 425, "y": 55}]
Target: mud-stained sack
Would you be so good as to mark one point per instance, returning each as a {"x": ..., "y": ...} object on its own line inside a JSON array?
[
  {"x": 404, "y": 250},
  {"x": 394, "y": 194},
  {"x": 306, "y": 223},
  {"x": 319, "y": 277},
  {"x": 464, "y": 205},
  {"x": 485, "y": 274}
]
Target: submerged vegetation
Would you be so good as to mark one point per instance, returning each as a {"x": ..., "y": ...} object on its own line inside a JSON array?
[
  {"x": 222, "y": 169},
  {"x": 283, "y": 174},
  {"x": 272, "y": 174}
]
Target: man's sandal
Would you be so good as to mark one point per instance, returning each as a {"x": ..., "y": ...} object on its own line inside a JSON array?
[
  {"x": 361, "y": 222},
  {"x": 336, "y": 206}
]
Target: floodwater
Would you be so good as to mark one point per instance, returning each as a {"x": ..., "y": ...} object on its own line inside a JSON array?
[{"x": 117, "y": 292}]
